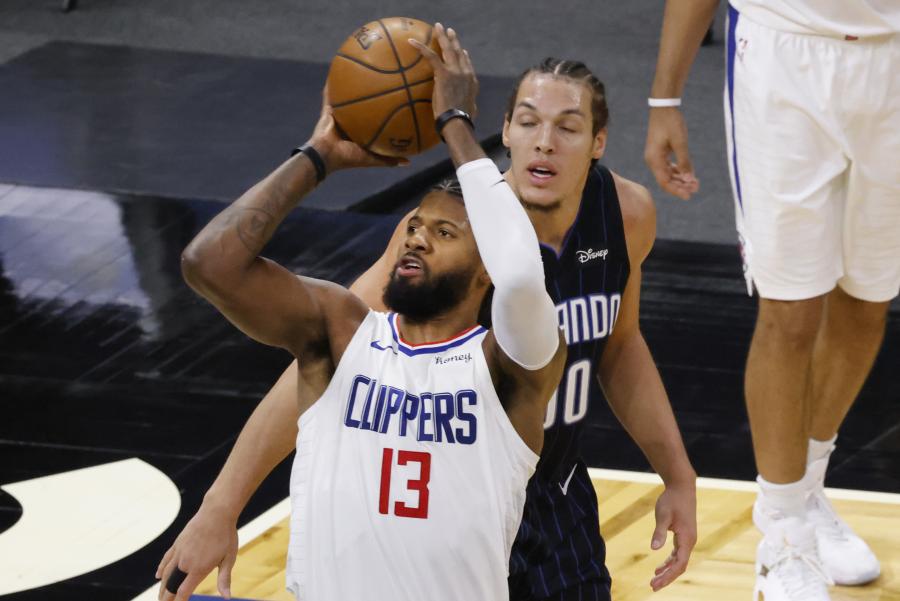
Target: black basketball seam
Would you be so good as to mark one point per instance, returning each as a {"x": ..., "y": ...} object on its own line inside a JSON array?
[
  {"x": 376, "y": 95},
  {"x": 363, "y": 63},
  {"x": 388, "y": 118},
  {"x": 405, "y": 84},
  {"x": 368, "y": 66},
  {"x": 420, "y": 57}
]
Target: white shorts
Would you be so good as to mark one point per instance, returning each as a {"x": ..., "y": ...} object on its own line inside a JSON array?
[{"x": 813, "y": 128}]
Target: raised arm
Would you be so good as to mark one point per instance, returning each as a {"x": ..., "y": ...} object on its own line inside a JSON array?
[
  {"x": 261, "y": 298},
  {"x": 524, "y": 330},
  {"x": 268, "y": 437},
  {"x": 523, "y": 316},
  {"x": 222, "y": 264},
  {"x": 684, "y": 24},
  {"x": 529, "y": 348}
]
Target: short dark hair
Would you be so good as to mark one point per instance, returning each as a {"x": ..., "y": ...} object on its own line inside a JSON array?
[
  {"x": 450, "y": 185},
  {"x": 575, "y": 70}
]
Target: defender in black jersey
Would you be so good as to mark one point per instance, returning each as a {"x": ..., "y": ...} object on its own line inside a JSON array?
[
  {"x": 595, "y": 228},
  {"x": 558, "y": 544}
]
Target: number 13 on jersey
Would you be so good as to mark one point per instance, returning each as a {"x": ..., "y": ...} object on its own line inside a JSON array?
[{"x": 419, "y": 485}]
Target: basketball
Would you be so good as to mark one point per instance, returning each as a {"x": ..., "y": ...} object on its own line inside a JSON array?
[{"x": 380, "y": 87}]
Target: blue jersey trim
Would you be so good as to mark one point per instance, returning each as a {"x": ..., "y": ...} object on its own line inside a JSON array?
[
  {"x": 733, "y": 16},
  {"x": 432, "y": 348}
]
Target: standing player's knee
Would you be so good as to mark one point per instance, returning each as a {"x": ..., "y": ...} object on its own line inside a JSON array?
[
  {"x": 790, "y": 324},
  {"x": 861, "y": 315}
]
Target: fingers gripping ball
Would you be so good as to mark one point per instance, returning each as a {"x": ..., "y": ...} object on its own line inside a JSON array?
[{"x": 380, "y": 87}]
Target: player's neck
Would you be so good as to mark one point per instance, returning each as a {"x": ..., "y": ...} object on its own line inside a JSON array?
[
  {"x": 437, "y": 329},
  {"x": 551, "y": 226},
  {"x": 551, "y": 222}
]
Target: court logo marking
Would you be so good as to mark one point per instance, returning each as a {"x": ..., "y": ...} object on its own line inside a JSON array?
[{"x": 76, "y": 522}]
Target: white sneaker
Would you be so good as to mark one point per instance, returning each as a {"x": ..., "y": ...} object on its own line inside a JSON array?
[
  {"x": 787, "y": 564},
  {"x": 846, "y": 557}
]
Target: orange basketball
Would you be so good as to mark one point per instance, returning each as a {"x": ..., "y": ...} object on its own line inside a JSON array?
[{"x": 380, "y": 87}]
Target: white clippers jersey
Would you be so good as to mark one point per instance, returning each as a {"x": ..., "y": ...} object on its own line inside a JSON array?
[
  {"x": 409, "y": 479},
  {"x": 836, "y": 18}
]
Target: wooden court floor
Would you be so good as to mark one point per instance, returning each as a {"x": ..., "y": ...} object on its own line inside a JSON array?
[{"x": 721, "y": 568}]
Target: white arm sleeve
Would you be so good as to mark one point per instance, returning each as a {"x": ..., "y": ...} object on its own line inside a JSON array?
[{"x": 522, "y": 314}]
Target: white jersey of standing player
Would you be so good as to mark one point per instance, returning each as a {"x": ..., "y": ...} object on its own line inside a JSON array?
[
  {"x": 812, "y": 108},
  {"x": 409, "y": 479},
  {"x": 836, "y": 18}
]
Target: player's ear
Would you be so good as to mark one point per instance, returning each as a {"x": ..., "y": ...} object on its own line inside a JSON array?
[
  {"x": 599, "y": 146},
  {"x": 506, "y": 131}
]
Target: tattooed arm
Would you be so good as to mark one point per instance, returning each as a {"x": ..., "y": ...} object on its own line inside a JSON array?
[{"x": 261, "y": 298}]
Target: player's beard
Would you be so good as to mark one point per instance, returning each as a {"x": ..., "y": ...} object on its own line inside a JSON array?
[{"x": 434, "y": 296}]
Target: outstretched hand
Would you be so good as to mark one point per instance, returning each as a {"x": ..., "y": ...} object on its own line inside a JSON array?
[
  {"x": 340, "y": 153},
  {"x": 207, "y": 541},
  {"x": 667, "y": 135},
  {"x": 455, "y": 83},
  {"x": 676, "y": 510}
]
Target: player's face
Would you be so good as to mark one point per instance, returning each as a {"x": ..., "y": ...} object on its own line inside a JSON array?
[
  {"x": 551, "y": 140},
  {"x": 438, "y": 263}
]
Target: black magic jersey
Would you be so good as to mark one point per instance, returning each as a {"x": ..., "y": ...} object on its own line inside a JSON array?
[{"x": 558, "y": 545}]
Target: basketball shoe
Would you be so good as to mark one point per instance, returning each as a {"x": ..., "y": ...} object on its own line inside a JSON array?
[
  {"x": 787, "y": 564},
  {"x": 846, "y": 557}
]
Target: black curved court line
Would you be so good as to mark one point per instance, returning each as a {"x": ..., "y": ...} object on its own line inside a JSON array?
[{"x": 382, "y": 93}]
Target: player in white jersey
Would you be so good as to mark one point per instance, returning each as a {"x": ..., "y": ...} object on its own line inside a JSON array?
[
  {"x": 410, "y": 472},
  {"x": 557, "y": 118},
  {"x": 812, "y": 104}
]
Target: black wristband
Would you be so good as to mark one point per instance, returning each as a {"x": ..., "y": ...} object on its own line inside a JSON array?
[
  {"x": 175, "y": 579},
  {"x": 449, "y": 115},
  {"x": 315, "y": 158}
]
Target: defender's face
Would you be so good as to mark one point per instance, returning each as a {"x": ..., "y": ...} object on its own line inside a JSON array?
[
  {"x": 549, "y": 135},
  {"x": 438, "y": 242}
]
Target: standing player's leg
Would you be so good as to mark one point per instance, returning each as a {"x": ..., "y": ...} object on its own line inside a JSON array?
[
  {"x": 775, "y": 387},
  {"x": 848, "y": 341},
  {"x": 849, "y": 338},
  {"x": 788, "y": 174},
  {"x": 856, "y": 312},
  {"x": 789, "y": 177}
]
